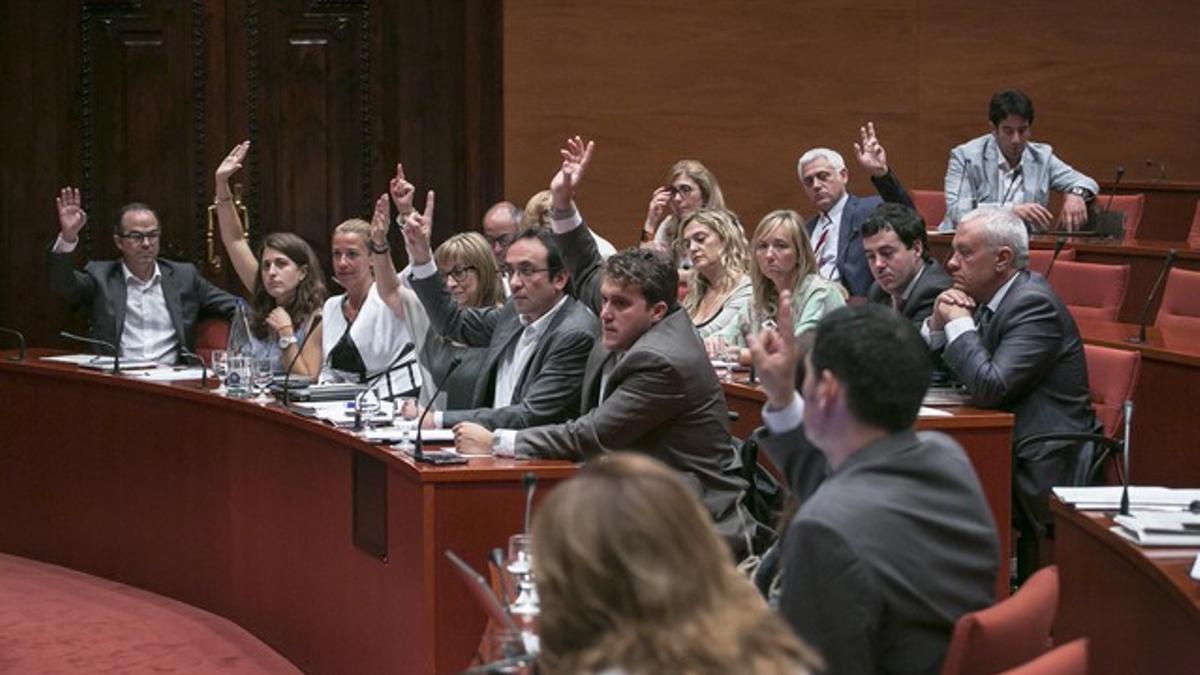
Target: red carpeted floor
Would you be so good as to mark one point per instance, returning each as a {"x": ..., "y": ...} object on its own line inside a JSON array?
[{"x": 56, "y": 620}]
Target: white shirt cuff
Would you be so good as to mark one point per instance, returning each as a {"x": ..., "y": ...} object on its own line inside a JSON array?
[
  {"x": 957, "y": 327},
  {"x": 566, "y": 224},
  {"x": 63, "y": 246},
  {"x": 437, "y": 419},
  {"x": 504, "y": 443},
  {"x": 782, "y": 421},
  {"x": 424, "y": 271},
  {"x": 936, "y": 339}
]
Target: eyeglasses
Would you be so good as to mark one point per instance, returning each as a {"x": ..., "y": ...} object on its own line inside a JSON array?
[
  {"x": 522, "y": 271},
  {"x": 503, "y": 240},
  {"x": 139, "y": 237},
  {"x": 683, "y": 189},
  {"x": 459, "y": 272}
]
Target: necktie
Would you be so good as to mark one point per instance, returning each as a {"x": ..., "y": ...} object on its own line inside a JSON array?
[{"x": 982, "y": 317}]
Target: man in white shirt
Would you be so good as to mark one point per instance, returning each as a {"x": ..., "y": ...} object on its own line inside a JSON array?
[{"x": 147, "y": 307}]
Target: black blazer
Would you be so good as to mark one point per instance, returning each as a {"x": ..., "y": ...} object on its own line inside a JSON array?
[{"x": 919, "y": 304}]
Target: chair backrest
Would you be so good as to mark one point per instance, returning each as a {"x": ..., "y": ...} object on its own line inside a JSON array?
[
  {"x": 1180, "y": 306},
  {"x": 931, "y": 204},
  {"x": 1014, "y": 631},
  {"x": 211, "y": 334},
  {"x": 1068, "y": 659},
  {"x": 1112, "y": 376},
  {"x": 1039, "y": 259},
  {"x": 1193, "y": 240},
  {"x": 1091, "y": 290},
  {"x": 1131, "y": 206}
]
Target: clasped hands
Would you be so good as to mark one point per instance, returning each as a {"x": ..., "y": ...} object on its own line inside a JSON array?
[{"x": 953, "y": 303}]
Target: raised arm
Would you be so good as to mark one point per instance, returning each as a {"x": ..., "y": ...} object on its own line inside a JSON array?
[
  {"x": 232, "y": 234},
  {"x": 65, "y": 280},
  {"x": 386, "y": 281},
  {"x": 872, "y": 157}
]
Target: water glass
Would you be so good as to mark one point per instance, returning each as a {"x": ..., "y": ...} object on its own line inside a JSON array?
[
  {"x": 264, "y": 374},
  {"x": 237, "y": 382},
  {"x": 220, "y": 367}
]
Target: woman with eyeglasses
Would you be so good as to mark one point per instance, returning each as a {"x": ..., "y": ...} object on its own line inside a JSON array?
[
  {"x": 690, "y": 187},
  {"x": 782, "y": 259},
  {"x": 469, "y": 269},
  {"x": 285, "y": 280},
  {"x": 718, "y": 289}
]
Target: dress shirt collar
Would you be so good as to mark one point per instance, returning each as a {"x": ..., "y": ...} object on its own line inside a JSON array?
[
  {"x": 999, "y": 295},
  {"x": 131, "y": 278},
  {"x": 835, "y": 212},
  {"x": 913, "y": 282},
  {"x": 535, "y": 328}
]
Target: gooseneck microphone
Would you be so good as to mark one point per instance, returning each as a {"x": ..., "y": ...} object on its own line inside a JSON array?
[
  {"x": 962, "y": 180},
  {"x": 391, "y": 368},
  {"x": 20, "y": 343},
  {"x": 530, "y": 480},
  {"x": 189, "y": 354},
  {"x": 1012, "y": 184},
  {"x": 1128, "y": 412},
  {"x": 1058, "y": 247},
  {"x": 100, "y": 343},
  {"x": 287, "y": 374},
  {"x": 419, "y": 452},
  {"x": 1113, "y": 190},
  {"x": 1141, "y": 338}
]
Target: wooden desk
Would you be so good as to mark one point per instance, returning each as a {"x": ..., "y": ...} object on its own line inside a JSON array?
[
  {"x": 246, "y": 511},
  {"x": 986, "y": 435},
  {"x": 1165, "y": 448},
  {"x": 1137, "y": 606}
]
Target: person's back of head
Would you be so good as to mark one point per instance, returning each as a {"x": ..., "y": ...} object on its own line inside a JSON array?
[{"x": 632, "y": 575}]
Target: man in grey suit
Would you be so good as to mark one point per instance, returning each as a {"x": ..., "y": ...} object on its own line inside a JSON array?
[
  {"x": 146, "y": 306},
  {"x": 649, "y": 386},
  {"x": 907, "y": 278},
  {"x": 537, "y": 342},
  {"x": 1004, "y": 168},
  {"x": 898, "y": 542},
  {"x": 1014, "y": 346}
]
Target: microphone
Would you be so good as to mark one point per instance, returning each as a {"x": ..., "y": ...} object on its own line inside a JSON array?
[
  {"x": 287, "y": 375},
  {"x": 100, "y": 343},
  {"x": 1162, "y": 169},
  {"x": 391, "y": 368},
  {"x": 1058, "y": 247},
  {"x": 497, "y": 559},
  {"x": 1106, "y": 222},
  {"x": 1012, "y": 184},
  {"x": 1128, "y": 412},
  {"x": 1141, "y": 338},
  {"x": 20, "y": 343},
  {"x": 189, "y": 354},
  {"x": 530, "y": 481},
  {"x": 419, "y": 454},
  {"x": 1113, "y": 193}
]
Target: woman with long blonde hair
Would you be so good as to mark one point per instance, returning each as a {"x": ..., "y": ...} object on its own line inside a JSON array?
[{"x": 719, "y": 288}]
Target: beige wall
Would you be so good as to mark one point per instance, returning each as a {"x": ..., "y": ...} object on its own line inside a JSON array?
[{"x": 747, "y": 86}]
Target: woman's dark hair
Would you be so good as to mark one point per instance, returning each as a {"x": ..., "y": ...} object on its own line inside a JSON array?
[{"x": 310, "y": 292}]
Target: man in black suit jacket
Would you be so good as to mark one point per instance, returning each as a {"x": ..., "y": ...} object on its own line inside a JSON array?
[
  {"x": 1014, "y": 346},
  {"x": 907, "y": 278},
  {"x": 835, "y": 231},
  {"x": 146, "y": 306},
  {"x": 898, "y": 541}
]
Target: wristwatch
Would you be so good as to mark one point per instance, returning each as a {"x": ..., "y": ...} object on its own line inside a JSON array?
[
  {"x": 286, "y": 341},
  {"x": 1084, "y": 193}
]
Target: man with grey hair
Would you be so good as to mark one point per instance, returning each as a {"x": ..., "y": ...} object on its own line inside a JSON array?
[
  {"x": 836, "y": 231},
  {"x": 1012, "y": 343}
]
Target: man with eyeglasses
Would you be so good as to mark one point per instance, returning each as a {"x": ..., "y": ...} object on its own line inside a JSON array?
[
  {"x": 537, "y": 342},
  {"x": 146, "y": 306}
]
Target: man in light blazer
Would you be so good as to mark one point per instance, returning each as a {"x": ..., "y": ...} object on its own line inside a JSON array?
[
  {"x": 146, "y": 306},
  {"x": 835, "y": 233},
  {"x": 1005, "y": 168},
  {"x": 898, "y": 541},
  {"x": 907, "y": 278},
  {"x": 648, "y": 387}
]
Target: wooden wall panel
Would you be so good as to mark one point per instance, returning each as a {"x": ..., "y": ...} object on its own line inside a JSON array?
[{"x": 747, "y": 86}]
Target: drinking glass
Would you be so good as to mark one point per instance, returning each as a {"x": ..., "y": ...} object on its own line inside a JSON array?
[
  {"x": 520, "y": 569},
  {"x": 220, "y": 368},
  {"x": 237, "y": 382},
  {"x": 505, "y": 650},
  {"x": 264, "y": 374}
]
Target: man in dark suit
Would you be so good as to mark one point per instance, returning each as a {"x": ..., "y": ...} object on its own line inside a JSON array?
[
  {"x": 649, "y": 386},
  {"x": 898, "y": 542},
  {"x": 1014, "y": 346},
  {"x": 146, "y": 306},
  {"x": 907, "y": 279},
  {"x": 537, "y": 342},
  {"x": 835, "y": 231}
]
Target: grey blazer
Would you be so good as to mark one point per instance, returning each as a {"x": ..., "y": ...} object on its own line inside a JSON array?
[
  {"x": 1029, "y": 361},
  {"x": 919, "y": 303},
  {"x": 663, "y": 400},
  {"x": 887, "y": 554},
  {"x": 973, "y": 177},
  {"x": 188, "y": 295},
  {"x": 548, "y": 389}
]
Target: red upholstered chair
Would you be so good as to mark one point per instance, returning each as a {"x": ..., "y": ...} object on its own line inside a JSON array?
[
  {"x": 1180, "y": 306},
  {"x": 1193, "y": 240},
  {"x": 1011, "y": 632},
  {"x": 1112, "y": 376},
  {"x": 1131, "y": 206},
  {"x": 211, "y": 334},
  {"x": 1039, "y": 258},
  {"x": 1069, "y": 659},
  {"x": 931, "y": 204},
  {"x": 1090, "y": 290}
]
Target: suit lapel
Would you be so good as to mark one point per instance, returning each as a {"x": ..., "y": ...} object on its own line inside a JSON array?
[
  {"x": 507, "y": 331},
  {"x": 171, "y": 295},
  {"x": 991, "y": 169},
  {"x": 592, "y": 375},
  {"x": 537, "y": 349},
  {"x": 845, "y": 228},
  {"x": 117, "y": 296}
]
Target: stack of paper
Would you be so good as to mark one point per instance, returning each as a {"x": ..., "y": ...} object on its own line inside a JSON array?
[
  {"x": 1141, "y": 497},
  {"x": 1180, "y": 528}
]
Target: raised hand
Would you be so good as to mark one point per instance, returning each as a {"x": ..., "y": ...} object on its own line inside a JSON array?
[
  {"x": 576, "y": 157},
  {"x": 379, "y": 222},
  {"x": 231, "y": 164},
  {"x": 402, "y": 192},
  {"x": 870, "y": 152},
  {"x": 71, "y": 216},
  {"x": 775, "y": 356},
  {"x": 660, "y": 201},
  {"x": 418, "y": 228}
]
